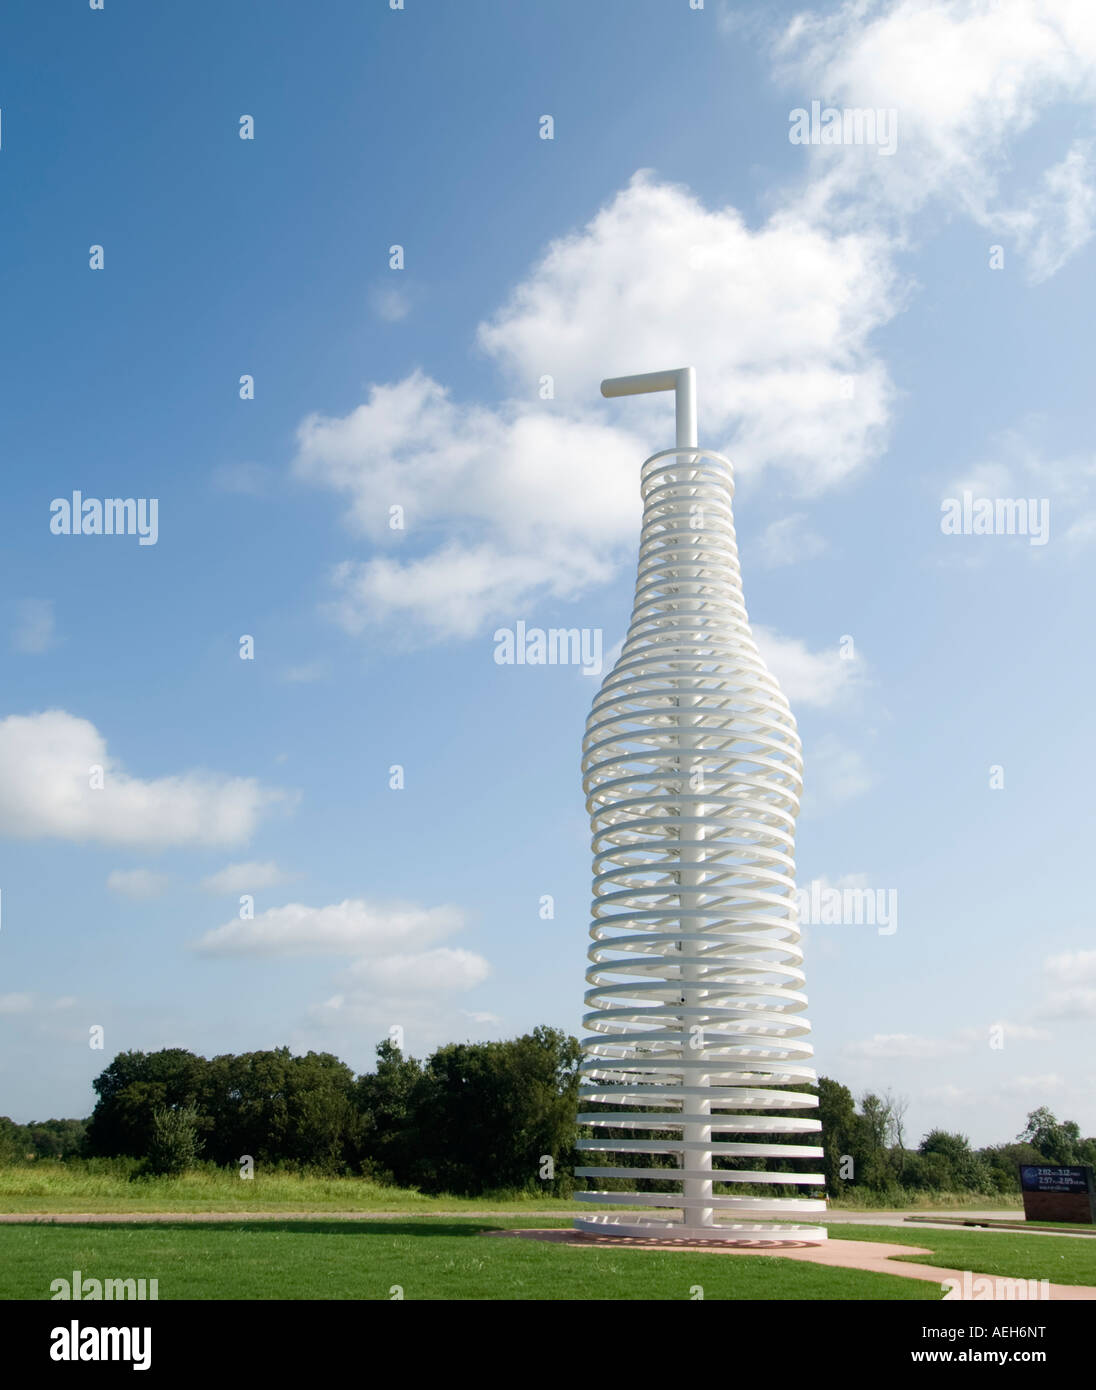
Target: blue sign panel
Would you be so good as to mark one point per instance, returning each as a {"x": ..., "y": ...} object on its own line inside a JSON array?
[{"x": 1048, "y": 1178}]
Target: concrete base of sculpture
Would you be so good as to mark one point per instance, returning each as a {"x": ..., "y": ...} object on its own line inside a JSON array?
[{"x": 680, "y": 1232}]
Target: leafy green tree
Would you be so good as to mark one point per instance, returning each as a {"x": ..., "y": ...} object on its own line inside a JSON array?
[
  {"x": 174, "y": 1146},
  {"x": 960, "y": 1169},
  {"x": 473, "y": 1117},
  {"x": 131, "y": 1089},
  {"x": 57, "y": 1138},
  {"x": 918, "y": 1173},
  {"x": 837, "y": 1111},
  {"x": 954, "y": 1147},
  {"x": 387, "y": 1102},
  {"x": 1003, "y": 1162},
  {"x": 1057, "y": 1141},
  {"x": 14, "y": 1141},
  {"x": 323, "y": 1120},
  {"x": 281, "y": 1109},
  {"x": 875, "y": 1165},
  {"x": 245, "y": 1101},
  {"x": 493, "y": 1112}
]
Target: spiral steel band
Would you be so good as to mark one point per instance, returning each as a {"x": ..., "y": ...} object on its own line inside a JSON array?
[{"x": 692, "y": 771}]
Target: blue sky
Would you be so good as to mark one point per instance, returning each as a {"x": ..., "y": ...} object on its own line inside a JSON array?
[{"x": 857, "y": 357}]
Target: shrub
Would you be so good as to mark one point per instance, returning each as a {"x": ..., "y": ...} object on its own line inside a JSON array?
[{"x": 175, "y": 1144}]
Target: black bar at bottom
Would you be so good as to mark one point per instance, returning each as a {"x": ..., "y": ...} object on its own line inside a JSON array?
[{"x": 279, "y": 1338}]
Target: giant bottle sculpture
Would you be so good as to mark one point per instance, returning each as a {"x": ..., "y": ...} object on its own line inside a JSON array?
[{"x": 692, "y": 772}]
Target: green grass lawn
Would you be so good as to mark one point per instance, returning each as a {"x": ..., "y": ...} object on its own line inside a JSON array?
[
  {"x": 1013, "y": 1255},
  {"x": 451, "y": 1257},
  {"x": 432, "y": 1259},
  {"x": 434, "y": 1248}
]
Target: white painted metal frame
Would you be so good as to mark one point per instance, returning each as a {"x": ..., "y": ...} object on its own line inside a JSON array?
[{"x": 692, "y": 771}]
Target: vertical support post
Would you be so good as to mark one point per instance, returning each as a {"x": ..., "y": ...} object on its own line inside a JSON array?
[{"x": 690, "y": 878}]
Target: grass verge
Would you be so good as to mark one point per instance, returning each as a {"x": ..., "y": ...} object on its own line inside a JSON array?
[
  {"x": 456, "y": 1259},
  {"x": 103, "y": 1186},
  {"x": 1010, "y": 1256},
  {"x": 48, "y": 1187}
]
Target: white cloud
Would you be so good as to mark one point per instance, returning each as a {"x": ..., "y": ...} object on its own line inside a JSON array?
[
  {"x": 789, "y": 541},
  {"x": 895, "y": 1045},
  {"x": 749, "y": 24},
  {"x": 975, "y": 1038},
  {"x": 34, "y": 631},
  {"x": 352, "y": 927},
  {"x": 245, "y": 478},
  {"x": 1072, "y": 968},
  {"x": 843, "y": 881},
  {"x": 347, "y": 1018},
  {"x": 409, "y": 989},
  {"x": 529, "y": 499},
  {"x": 45, "y": 792},
  {"x": 1072, "y": 977},
  {"x": 1017, "y": 462},
  {"x": 774, "y": 318},
  {"x": 28, "y": 1003},
  {"x": 389, "y": 303},
  {"x": 1081, "y": 533},
  {"x": 1033, "y": 1085},
  {"x": 1069, "y": 1004},
  {"x": 922, "y": 1048},
  {"x": 967, "y": 79},
  {"x": 1022, "y": 1032},
  {"x": 833, "y": 773},
  {"x": 430, "y": 972},
  {"x": 517, "y": 472},
  {"x": 988, "y": 478},
  {"x": 948, "y": 1094},
  {"x": 1059, "y": 219},
  {"x": 538, "y": 500},
  {"x": 806, "y": 678},
  {"x": 306, "y": 674},
  {"x": 532, "y": 504},
  {"x": 137, "y": 883},
  {"x": 456, "y": 589},
  {"x": 395, "y": 975},
  {"x": 1018, "y": 466},
  {"x": 247, "y": 877}
]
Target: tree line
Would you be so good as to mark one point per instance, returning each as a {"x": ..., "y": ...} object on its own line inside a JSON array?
[
  {"x": 471, "y": 1118},
  {"x": 866, "y": 1150}
]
